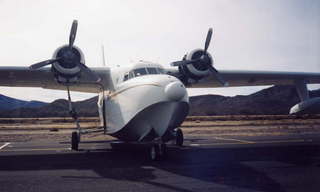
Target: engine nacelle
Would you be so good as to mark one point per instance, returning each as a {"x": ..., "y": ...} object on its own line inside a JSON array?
[
  {"x": 67, "y": 70},
  {"x": 199, "y": 69}
]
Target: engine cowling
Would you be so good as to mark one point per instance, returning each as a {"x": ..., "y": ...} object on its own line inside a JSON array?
[
  {"x": 198, "y": 69},
  {"x": 68, "y": 62},
  {"x": 67, "y": 69}
]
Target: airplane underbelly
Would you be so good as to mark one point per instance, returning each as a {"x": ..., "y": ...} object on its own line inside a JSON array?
[
  {"x": 154, "y": 121},
  {"x": 131, "y": 114}
]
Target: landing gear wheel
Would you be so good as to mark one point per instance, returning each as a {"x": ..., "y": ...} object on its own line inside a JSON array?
[
  {"x": 75, "y": 141},
  {"x": 158, "y": 152},
  {"x": 179, "y": 137}
]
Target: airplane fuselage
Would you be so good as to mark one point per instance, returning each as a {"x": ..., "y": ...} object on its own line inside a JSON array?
[{"x": 144, "y": 107}]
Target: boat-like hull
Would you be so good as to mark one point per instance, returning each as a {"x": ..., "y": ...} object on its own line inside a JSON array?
[
  {"x": 146, "y": 108},
  {"x": 154, "y": 121}
]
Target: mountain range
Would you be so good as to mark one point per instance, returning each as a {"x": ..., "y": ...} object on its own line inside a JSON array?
[
  {"x": 275, "y": 100},
  {"x": 9, "y": 103}
]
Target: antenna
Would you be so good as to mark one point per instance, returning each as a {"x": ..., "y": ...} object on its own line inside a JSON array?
[{"x": 103, "y": 58}]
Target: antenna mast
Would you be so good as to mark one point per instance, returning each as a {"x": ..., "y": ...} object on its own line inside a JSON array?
[{"x": 103, "y": 58}]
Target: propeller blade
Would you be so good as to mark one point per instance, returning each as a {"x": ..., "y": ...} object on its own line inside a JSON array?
[
  {"x": 217, "y": 75},
  {"x": 183, "y": 62},
  {"x": 90, "y": 72},
  {"x": 43, "y": 63},
  {"x": 208, "y": 39},
  {"x": 73, "y": 33}
]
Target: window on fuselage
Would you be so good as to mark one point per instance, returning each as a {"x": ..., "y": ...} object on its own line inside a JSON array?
[
  {"x": 139, "y": 72},
  {"x": 152, "y": 70},
  {"x": 126, "y": 77},
  {"x": 160, "y": 70},
  {"x": 142, "y": 71},
  {"x": 131, "y": 75}
]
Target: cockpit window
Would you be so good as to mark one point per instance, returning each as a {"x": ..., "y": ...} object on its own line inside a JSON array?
[
  {"x": 131, "y": 75},
  {"x": 142, "y": 71},
  {"x": 139, "y": 72},
  {"x": 126, "y": 77},
  {"x": 161, "y": 71},
  {"x": 152, "y": 70}
]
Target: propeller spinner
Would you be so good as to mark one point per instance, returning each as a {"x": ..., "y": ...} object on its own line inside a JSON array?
[
  {"x": 204, "y": 60},
  {"x": 68, "y": 56}
]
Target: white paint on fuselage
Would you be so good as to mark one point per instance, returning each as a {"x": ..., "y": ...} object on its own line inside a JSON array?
[{"x": 146, "y": 102}]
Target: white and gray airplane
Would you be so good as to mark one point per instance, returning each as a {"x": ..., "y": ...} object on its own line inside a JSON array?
[{"x": 146, "y": 103}]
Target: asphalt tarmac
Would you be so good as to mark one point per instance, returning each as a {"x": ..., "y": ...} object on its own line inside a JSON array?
[{"x": 270, "y": 163}]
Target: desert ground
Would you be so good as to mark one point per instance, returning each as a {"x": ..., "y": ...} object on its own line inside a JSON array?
[
  {"x": 59, "y": 129},
  {"x": 220, "y": 153}
]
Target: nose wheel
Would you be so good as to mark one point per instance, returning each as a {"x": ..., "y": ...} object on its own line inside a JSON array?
[{"x": 158, "y": 152}]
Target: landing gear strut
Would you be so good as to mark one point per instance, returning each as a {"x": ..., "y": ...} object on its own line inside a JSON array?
[{"x": 76, "y": 135}]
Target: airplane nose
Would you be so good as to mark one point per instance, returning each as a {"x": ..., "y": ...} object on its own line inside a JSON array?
[{"x": 175, "y": 91}]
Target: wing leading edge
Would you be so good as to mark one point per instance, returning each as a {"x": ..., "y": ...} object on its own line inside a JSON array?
[
  {"x": 44, "y": 78},
  {"x": 236, "y": 78}
]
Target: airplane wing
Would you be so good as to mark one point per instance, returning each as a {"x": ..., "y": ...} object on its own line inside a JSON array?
[
  {"x": 44, "y": 77},
  {"x": 196, "y": 69},
  {"x": 236, "y": 78}
]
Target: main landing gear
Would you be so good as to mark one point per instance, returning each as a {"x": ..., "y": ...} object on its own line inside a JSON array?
[
  {"x": 75, "y": 139},
  {"x": 179, "y": 137},
  {"x": 75, "y": 136}
]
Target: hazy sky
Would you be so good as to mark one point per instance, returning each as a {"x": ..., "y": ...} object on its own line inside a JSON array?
[{"x": 248, "y": 34}]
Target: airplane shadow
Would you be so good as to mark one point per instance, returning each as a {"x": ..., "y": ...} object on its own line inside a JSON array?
[{"x": 224, "y": 166}]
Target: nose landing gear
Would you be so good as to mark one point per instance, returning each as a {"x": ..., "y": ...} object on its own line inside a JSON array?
[{"x": 158, "y": 151}]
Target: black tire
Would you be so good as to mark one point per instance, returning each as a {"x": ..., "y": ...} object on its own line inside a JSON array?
[
  {"x": 158, "y": 152},
  {"x": 163, "y": 151},
  {"x": 74, "y": 141},
  {"x": 179, "y": 137},
  {"x": 154, "y": 152}
]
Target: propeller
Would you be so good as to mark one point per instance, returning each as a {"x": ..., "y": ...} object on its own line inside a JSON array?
[
  {"x": 68, "y": 56},
  {"x": 73, "y": 33},
  {"x": 43, "y": 63},
  {"x": 204, "y": 60}
]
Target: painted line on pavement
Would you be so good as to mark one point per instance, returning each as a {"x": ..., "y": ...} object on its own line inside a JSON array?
[
  {"x": 44, "y": 149},
  {"x": 247, "y": 143},
  {"x": 238, "y": 140},
  {"x": 3, "y": 146}
]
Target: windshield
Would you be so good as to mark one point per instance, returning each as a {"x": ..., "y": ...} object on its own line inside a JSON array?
[
  {"x": 139, "y": 72},
  {"x": 142, "y": 71}
]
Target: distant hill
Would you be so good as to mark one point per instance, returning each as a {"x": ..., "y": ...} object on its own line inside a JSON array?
[
  {"x": 9, "y": 103},
  {"x": 275, "y": 100},
  {"x": 58, "y": 108}
]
